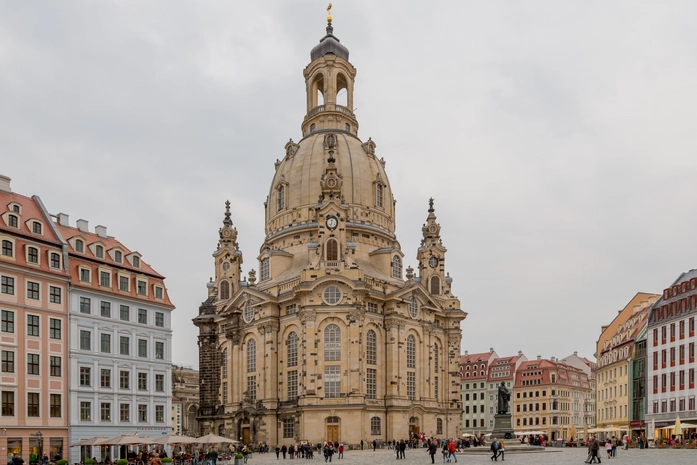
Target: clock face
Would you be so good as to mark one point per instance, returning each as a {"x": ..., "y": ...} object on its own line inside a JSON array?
[
  {"x": 332, "y": 222},
  {"x": 226, "y": 233},
  {"x": 432, "y": 229},
  {"x": 433, "y": 262}
]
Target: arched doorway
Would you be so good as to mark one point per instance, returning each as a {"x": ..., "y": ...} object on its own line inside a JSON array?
[
  {"x": 191, "y": 424},
  {"x": 332, "y": 429},
  {"x": 414, "y": 426}
]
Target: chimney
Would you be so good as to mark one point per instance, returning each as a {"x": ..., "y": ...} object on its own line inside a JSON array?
[
  {"x": 467, "y": 352},
  {"x": 63, "y": 219},
  {"x": 5, "y": 184},
  {"x": 83, "y": 226},
  {"x": 101, "y": 231},
  {"x": 539, "y": 357}
]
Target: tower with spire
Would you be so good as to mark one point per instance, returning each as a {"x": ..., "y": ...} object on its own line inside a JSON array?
[{"x": 329, "y": 340}]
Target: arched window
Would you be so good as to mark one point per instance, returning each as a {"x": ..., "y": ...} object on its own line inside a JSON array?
[
  {"x": 225, "y": 363},
  {"x": 411, "y": 351},
  {"x": 224, "y": 290},
  {"x": 312, "y": 128},
  {"x": 12, "y": 221},
  {"x": 265, "y": 269},
  {"x": 439, "y": 426},
  {"x": 347, "y": 127},
  {"x": 7, "y": 248},
  {"x": 251, "y": 356},
  {"x": 378, "y": 195},
  {"x": 371, "y": 347},
  {"x": 99, "y": 251},
  {"x": 281, "y": 197},
  {"x": 435, "y": 357},
  {"x": 413, "y": 308},
  {"x": 435, "y": 285},
  {"x": 375, "y": 426},
  {"x": 397, "y": 267},
  {"x": 292, "y": 349},
  {"x": 248, "y": 312},
  {"x": 332, "y": 343},
  {"x": 332, "y": 250},
  {"x": 79, "y": 246}
]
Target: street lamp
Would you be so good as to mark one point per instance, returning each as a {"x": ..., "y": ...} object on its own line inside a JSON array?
[{"x": 40, "y": 440}]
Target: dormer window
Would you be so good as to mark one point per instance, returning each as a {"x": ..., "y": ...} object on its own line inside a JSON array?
[
  {"x": 7, "y": 248},
  {"x": 55, "y": 260},
  {"x": 158, "y": 292},
  {"x": 142, "y": 288},
  {"x": 136, "y": 261},
  {"x": 36, "y": 227},
  {"x": 33, "y": 255},
  {"x": 15, "y": 208},
  {"x": 13, "y": 221},
  {"x": 85, "y": 275},
  {"x": 99, "y": 251},
  {"x": 79, "y": 245},
  {"x": 118, "y": 257}
]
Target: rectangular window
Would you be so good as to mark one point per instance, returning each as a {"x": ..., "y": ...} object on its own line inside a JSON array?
[
  {"x": 33, "y": 255},
  {"x": 160, "y": 319},
  {"x": 411, "y": 385},
  {"x": 54, "y": 329},
  {"x": 142, "y": 348},
  {"x": 32, "y": 325},
  {"x": 85, "y": 411},
  {"x": 85, "y": 376},
  {"x": 252, "y": 388},
  {"x": 124, "y": 345},
  {"x": 8, "y": 404},
  {"x": 105, "y": 309},
  {"x": 7, "y": 285},
  {"x": 105, "y": 378},
  {"x": 370, "y": 383},
  {"x": 56, "y": 407},
  {"x": 435, "y": 387},
  {"x": 7, "y": 321},
  {"x": 142, "y": 381},
  {"x": 372, "y": 307},
  {"x": 142, "y": 285},
  {"x": 55, "y": 260},
  {"x": 159, "y": 293},
  {"x": 142, "y": 413},
  {"x": 123, "y": 283},
  {"x": 124, "y": 313},
  {"x": 291, "y": 309},
  {"x": 32, "y": 364},
  {"x": 85, "y": 305},
  {"x": 105, "y": 279},
  {"x": 160, "y": 383},
  {"x": 33, "y": 404},
  {"x": 142, "y": 316},
  {"x": 32, "y": 290},
  {"x": 160, "y": 350},
  {"x": 159, "y": 413},
  {"x": 54, "y": 295},
  {"x": 288, "y": 428},
  {"x": 293, "y": 385},
  {"x": 36, "y": 227},
  {"x": 125, "y": 380},
  {"x": 84, "y": 275},
  {"x": 105, "y": 343},
  {"x": 56, "y": 366},
  {"x": 105, "y": 411},
  {"x": 85, "y": 340},
  {"x": 8, "y": 361},
  {"x": 125, "y": 412}
]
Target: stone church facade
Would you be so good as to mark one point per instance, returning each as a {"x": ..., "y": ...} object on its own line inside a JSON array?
[{"x": 332, "y": 340}]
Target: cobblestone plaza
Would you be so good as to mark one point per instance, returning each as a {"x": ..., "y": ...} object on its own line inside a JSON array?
[{"x": 551, "y": 456}]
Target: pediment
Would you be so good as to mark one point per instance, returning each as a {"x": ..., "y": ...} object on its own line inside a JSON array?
[
  {"x": 419, "y": 292},
  {"x": 239, "y": 301}
]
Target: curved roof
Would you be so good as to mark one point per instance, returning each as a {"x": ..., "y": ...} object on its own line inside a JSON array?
[{"x": 329, "y": 44}]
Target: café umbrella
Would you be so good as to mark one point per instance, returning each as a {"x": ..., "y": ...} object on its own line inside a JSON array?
[
  {"x": 174, "y": 439},
  {"x": 90, "y": 442},
  {"x": 678, "y": 427},
  {"x": 127, "y": 440},
  {"x": 214, "y": 439}
]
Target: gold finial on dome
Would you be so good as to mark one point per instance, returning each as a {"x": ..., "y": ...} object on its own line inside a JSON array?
[{"x": 329, "y": 13}]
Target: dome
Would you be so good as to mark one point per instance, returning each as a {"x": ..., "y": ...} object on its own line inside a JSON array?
[
  {"x": 298, "y": 179},
  {"x": 329, "y": 44}
]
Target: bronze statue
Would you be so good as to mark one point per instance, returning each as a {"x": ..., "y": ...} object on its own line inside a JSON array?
[{"x": 504, "y": 397}]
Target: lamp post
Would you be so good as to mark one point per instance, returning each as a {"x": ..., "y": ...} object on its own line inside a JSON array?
[{"x": 40, "y": 440}]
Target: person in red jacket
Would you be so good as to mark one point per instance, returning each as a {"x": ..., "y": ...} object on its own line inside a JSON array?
[{"x": 451, "y": 451}]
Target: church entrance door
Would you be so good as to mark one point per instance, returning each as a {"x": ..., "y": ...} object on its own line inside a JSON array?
[
  {"x": 245, "y": 435},
  {"x": 332, "y": 433}
]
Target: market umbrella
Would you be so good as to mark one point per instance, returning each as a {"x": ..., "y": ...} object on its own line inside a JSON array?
[
  {"x": 174, "y": 439},
  {"x": 127, "y": 439},
  {"x": 89, "y": 442},
  {"x": 678, "y": 427},
  {"x": 572, "y": 433},
  {"x": 214, "y": 439},
  {"x": 585, "y": 431},
  {"x": 466, "y": 435},
  {"x": 653, "y": 429}
]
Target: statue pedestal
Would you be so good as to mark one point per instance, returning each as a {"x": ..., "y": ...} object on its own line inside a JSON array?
[{"x": 503, "y": 426}]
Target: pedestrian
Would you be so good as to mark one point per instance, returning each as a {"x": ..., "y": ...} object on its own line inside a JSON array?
[
  {"x": 444, "y": 451},
  {"x": 432, "y": 448},
  {"x": 284, "y": 449},
  {"x": 501, "y": 451},
  {"x": 494, "y": 449},
  {"x": 375, "y": 444},
  {"x": 402, "y": 447},
  {"x": 278, "y": 451},
  {"x": 156, "y": 460},
  {"x": 291, "y": 451},
  {"x": 341, "y": 450},
  {"x": 451, "y": 451},
  {"x": 608, "y": 447},
  {"x": 361, "y": 444}
]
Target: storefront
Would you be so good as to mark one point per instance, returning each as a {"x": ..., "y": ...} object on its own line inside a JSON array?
[{"x": 32, "y": 445}]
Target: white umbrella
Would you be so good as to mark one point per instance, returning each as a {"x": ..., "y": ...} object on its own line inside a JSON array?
[
  {"x": 174, "y": 439},
  {"x": 466, "y": 435},
  {"x": 678, "y": 427},
  {"x": 214, "y": 439},
  {"x": 127, "y": 439},
  {"x": 653, "y": 428},
  {"x": 89, "y": 442}
]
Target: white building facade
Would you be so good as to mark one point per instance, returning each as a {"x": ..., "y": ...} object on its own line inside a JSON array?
[{"x": 120, "y": 344}]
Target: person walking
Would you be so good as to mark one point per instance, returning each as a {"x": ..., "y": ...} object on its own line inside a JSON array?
[
  {"x": 593, "y": 448},
  {"x": 402, "y": 447},
  {"x": 432, "y": 448},
  {"x": 452, "y": 448},
  {"x": 156, "y": 460},
  {"x": 284, "y": 449},
  {"x": 341, "y": 450},
  {"x": 361, "y": 444},
  {"x": 494, "y": 449},
  {"x": 375, "y": 445},
  {"x": 501, "y": 450}
]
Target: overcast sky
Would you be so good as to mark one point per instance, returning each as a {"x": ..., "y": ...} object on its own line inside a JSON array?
[{"x": 557, "y": 138}]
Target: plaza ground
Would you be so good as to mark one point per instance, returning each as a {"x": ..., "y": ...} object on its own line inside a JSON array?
[{"x": 552, "y": 456}]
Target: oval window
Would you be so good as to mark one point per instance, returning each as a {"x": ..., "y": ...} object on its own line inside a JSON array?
[
  {"x": 248, "y": 313},
  {"x": 332, "y": 295},
  {"x": 413, "y": 308}
]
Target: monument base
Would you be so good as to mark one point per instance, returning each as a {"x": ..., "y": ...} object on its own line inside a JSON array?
[{"x": 503, "y": 428}]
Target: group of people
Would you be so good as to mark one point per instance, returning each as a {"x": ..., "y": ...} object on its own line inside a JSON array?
[
  {"x": 497, "y": 450},
  {"x": 306, "y": 450}
]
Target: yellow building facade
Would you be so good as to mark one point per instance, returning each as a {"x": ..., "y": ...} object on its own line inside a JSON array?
[
  {"x": 330, "y": 340},
  {"x": 614, "y": 350}
]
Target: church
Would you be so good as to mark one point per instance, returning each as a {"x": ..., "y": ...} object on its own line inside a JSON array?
[{"x": 332, "y": 339}]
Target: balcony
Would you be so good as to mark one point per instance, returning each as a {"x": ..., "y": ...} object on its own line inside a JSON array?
[{"x": 322, "y": 108}]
